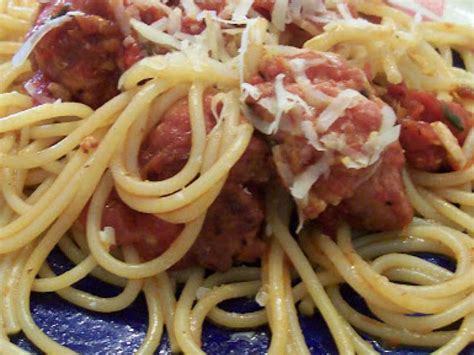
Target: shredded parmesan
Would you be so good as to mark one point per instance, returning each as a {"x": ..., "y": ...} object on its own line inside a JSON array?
[
  {"x": 174, "y": 21},
  {"x": 299, "y": 67},
  {"x": 304, "y": 181},
  {"x": 311, "y": 135},
  {"x": 30, "y": 43},
  {"x": 280, "y": 9},
  {"x": 344, "y": 11},
  {"x": 155, "y": 35},
  {"x": 190, "y": 8},
  {"x": 107, "y": 237},
  {"x": 250, "y": 90},
  {"x": 262, "y": 296},
  {"x": 344, "y": 100},
  {"x": 284, "y": 170},
  {"x": 241, "y": 10},
  {"x": 121, "y": 16}
]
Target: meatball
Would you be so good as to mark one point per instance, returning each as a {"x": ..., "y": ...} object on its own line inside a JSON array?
[
  {"x": 331, "y": 140},
  {"x": 81, "y": 56}
]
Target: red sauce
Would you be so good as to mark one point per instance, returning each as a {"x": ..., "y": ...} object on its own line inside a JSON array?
[
  {"x": 416, "y": 110},
  {"x": 337, "y": 191},
  {"x": 82, "y": 54}
]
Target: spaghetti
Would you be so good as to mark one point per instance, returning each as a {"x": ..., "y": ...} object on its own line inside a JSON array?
[{"x": 80, "y": 167}]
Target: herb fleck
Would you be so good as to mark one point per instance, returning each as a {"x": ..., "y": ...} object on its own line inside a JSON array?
[{"x": 453, "y": 118}]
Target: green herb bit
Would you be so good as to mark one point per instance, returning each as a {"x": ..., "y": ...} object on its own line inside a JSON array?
[{"x": 453, "y": 118}]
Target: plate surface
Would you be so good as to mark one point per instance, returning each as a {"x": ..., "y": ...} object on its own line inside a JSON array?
[{"x": 121, "y": 333}]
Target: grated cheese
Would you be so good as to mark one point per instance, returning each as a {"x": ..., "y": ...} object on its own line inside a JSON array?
[
  {"x": 155, "y": 35},
  {"x": 174, "y": 21},
  {"x": 30, "y": 43},
  {"x": 280, "y": 9},
  {"x": 121, "y": 16},
  {"x": 107, "y": 237},
  {"x": 311, "y": 135},
  {"x": 346, "y": 99},
  {"x": 344, "y": 11},
  {"x": 304, "y": 181},
  {"x": 241, "y": 11},
  {"x": 190, "y": 8},
  {"x": 250, "y": 90}
]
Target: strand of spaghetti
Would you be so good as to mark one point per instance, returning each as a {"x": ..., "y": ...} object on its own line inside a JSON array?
[
  {"x": 66, "y": 279},
  {"x": 390, "y": 291},
  {"x": 93, "y": 169},
  {"x": 143, "y": 126},
  {"x": 420, "y": 204},
  {"x": 219, "y": 139},
  {"x": 5, "y": 261},
  {"x": 312, "y": 251},
  {"x": 94, "y": 303},
  {"x": 216, "y": 296},
  {"x": 414, "y": 276},
  {"x": 15, "y": 99},
  {"x": 294, "y": 329},
  {"x": 236, "y": 320},
  {"x": 62, "y": 129},
  {"x": 459, "y": 282},
  {"x": 278, "y": 317},
  {"x": 12, "y": 324},
  {"x": 426, "y": 324},
  {"x": 462, "y": 338},
  {"x": 307, "y": 306},
  {"x": 251, "y": 319},
  {"x": 384, "y": 331},
  {"x": 435, "y": 273},
  {"x": 377, "y": 8},
  {"x": 43, "y": 112},
  {"x": 44, "y": 207},
  {"x": 192, "y": 211},
  {"x": 7, "y": 142},
  {"x": 11, "y": 348},
  {"x": 178, "y": 68},
  {"x": 134, "y": 185},
  {"x": 456, "y": 196},
  {"x": 350, "y": 275},
  {"x": 195, "y": 208},
  {"x": 171, "y": 256},
  {"x": 14, "y": 24},
  {"x": 183, "y": 314},
  {"x": 314, "y": 287},
  {"x": 235, "y": 274},
  {"x": 205, "y": 182},
  {"x": 402, "y": 245},
  {"x": 100, "y": 118},
  {"x": 155, "y": 319},
  {"x": 11, "y": 193},
  {"x": 76, "y": 256},
  {"x": 440, "y": 180},
  {"x": 8, "y": 73},
  {"x": 168, "y": 302},
  {"x": 450, "y": 211}
]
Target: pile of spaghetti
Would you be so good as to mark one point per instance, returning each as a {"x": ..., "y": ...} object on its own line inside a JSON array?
[{"x": 267, "y": 149}]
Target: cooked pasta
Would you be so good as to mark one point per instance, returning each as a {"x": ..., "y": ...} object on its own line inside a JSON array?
[{"x": 275, "y": 150}]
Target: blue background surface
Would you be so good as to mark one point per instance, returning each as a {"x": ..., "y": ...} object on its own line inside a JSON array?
[{"x": 122, "y": 333}]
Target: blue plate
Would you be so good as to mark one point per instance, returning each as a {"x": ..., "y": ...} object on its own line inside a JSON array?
[{"x": 92, "y": 333}]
